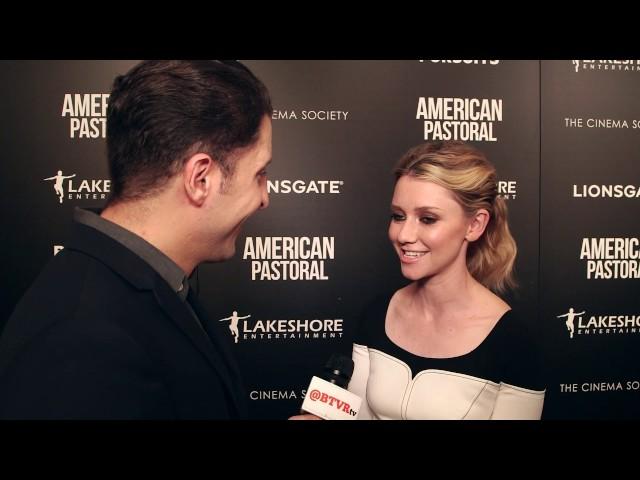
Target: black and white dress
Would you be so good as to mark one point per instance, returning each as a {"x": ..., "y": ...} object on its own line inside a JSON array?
[{"x": 499, "y": 379}]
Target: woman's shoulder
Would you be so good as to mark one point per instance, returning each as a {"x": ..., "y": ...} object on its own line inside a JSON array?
[
  {"x": 518, "y": 340},
  {"x": 517, "y": 326},
  {"x": 371, "y": 321}
]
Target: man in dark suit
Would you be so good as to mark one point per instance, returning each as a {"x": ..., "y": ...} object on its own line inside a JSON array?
[{"x": 111, "y": 329}]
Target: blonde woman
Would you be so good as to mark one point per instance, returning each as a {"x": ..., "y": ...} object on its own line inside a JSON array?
[{"x": 447, "y": 346}]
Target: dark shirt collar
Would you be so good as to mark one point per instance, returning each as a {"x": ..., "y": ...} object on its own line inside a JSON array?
[{"x": 163, "y": 265}]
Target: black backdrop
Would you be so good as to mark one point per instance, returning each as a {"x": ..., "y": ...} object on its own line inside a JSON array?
[{"x": 338, "y": 128}]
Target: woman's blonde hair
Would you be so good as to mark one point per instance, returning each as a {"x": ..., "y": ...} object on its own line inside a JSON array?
[{"x": 466, "y": 172}]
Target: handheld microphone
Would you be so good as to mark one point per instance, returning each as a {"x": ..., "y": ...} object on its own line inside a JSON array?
[{"x": 328, "y": 397}]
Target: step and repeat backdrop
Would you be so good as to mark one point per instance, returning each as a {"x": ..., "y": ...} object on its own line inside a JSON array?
[
  {"x": 590, "y": 229},
  {"x": 562, "y": 134}
]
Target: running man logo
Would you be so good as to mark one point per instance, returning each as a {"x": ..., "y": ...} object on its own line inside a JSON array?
[
  {"x": 233, "y": 326},
  {"x": 87, "y": 189},
  {"x": 57, "y": 185},
  {"x": 571, "y": 315}
]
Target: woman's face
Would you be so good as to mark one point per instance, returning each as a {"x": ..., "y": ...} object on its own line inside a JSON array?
[{"x": 428, "y": 228}]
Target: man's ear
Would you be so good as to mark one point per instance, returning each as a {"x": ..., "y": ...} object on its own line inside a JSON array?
[
  {"x": 200, "y": 176},
  {"x": 478, "y": 224}
]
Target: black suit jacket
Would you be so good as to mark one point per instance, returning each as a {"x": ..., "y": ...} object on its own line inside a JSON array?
[{"x": 100, "y": 335}]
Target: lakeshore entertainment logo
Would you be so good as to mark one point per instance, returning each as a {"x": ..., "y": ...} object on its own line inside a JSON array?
[
  {"x": 289, "y": 258},
  {"x": 279, "y": 329},
  {"x": 605, "y": 191},
  {"x": 464, "y": 62},
  {"x": 608, "y": 65},
  {"x": 57, "y": 249},
  {"x": 579, "y": 323},
  {"x": 319, "y": 115},
  {"x": 87, "y": 189},
  {"x": 600, "y": 387},
  {"x": 603, "y": 123},
  {"x": 611, "y": 258},
  {"x": 507, "y": 189},
  {"x": 277, "y": 394},
  {"x": 466, "y": 119},
  {"x": 87, "y": 114},
  {"x": 304, "y": 186}
]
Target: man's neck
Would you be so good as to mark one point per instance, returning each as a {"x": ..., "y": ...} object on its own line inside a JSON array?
[{"x": 155, "y": 224}]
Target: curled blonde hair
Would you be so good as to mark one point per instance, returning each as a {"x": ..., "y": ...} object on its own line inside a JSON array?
[{"x": 466, "y": 172}]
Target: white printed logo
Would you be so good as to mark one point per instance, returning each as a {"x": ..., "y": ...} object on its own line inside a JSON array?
[
  {"x": 87, "y": 114},
  {"x": 599, "y": 324},
  {"x": 233, "y": 326},
  {"x": 289, "y": 258},
  {"x": 571, "y": 315},
  {"x": 304, "y": 186},
  {"x": 606, "y": 191},
  {"x": 507, "y": 189},
  {"x": 465, "y": 62},
  {"x": 453, "y": 118},
  {"x": 601, "y": 123},
  {"x": 295, "y": 329},
  {"x": 597, "y": 387},
  {"x": 276, "y": 394},
  {"x": 609, "y": 65},
  {"x": 87, "y": 190},
  {"x": 611, "y": 258},
  {"x": 317, "y": 115},
  {"x": 57, "y": 186}
]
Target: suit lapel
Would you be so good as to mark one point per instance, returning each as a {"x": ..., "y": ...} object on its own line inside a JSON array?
[
  {"x": 140, "y": 274},
  {"x": 224, "y": 346},
  {"x": 179, "y": 313}
]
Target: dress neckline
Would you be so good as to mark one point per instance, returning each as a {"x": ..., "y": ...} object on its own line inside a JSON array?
[{"x": 485, "y": 340}]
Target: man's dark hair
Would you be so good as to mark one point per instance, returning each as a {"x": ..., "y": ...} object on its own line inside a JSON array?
[{"x": 162, "y": 112}]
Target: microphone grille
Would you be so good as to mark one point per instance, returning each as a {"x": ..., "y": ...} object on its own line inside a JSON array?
[{"x": 339, "y": 369}]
